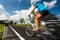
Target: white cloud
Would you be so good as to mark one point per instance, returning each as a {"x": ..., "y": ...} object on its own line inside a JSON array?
[
  {"x": 50, "y": 4},
  {"x": 21, "y": 14},
  {"x": 15, "y": 17},
  {"x": 4, "y": 14},
  {"x": 1, "y": 7},
  {"x": 2, "y": 17},
  {"x": 17, "y": 11},
  {"x": 18, "y": 14},
  {"x": 34, "y": 1}
]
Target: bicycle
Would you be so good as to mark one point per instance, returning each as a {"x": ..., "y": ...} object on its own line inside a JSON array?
[{"x": 43, "y": 31}]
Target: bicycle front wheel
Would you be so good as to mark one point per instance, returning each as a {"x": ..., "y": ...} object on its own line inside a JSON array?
[{"x": 29, "y": 31}]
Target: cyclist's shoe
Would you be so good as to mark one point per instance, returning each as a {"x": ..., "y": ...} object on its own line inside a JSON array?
[{"x": 37, "y": 31}]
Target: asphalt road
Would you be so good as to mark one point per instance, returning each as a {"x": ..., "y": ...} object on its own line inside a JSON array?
[{"x": 21, "y": 31}]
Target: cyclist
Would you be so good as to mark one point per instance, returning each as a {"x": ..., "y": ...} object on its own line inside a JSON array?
[{"x": 42, "y": 12}]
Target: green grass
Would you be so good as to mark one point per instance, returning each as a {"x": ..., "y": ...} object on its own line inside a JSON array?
[
  {"x": 1, "y": 34},
  {"x": 1, "y": 30},
  {"x": 23, "y": 25}
]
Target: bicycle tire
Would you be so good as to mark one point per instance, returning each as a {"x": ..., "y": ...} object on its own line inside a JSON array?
[{"x": 29, "y": 32}]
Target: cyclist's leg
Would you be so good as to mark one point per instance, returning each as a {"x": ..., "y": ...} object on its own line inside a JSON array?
[
  {"x": 38, "y": 16},
  {"x": 44, "y": 13}
]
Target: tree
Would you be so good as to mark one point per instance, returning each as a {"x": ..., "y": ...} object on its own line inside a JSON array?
[
  {"x": 22, "y": 20},
  {"x": 15, "y": 23},
  {"x": 11, "y": 22},
  {"x": 1, "y": 21}
]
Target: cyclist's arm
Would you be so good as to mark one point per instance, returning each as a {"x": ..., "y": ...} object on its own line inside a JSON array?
[{"x": 33, "y": 10}]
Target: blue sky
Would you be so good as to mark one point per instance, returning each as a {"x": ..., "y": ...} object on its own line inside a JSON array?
[{"x": 12, "y": 5}]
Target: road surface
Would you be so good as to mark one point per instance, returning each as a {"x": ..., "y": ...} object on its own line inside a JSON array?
[{"x": 21, "y": 31}]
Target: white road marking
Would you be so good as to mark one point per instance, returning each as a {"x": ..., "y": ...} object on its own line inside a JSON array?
[{"x": 20, "y": 37}]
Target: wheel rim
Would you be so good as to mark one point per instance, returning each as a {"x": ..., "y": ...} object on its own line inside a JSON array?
[{"x": 29, "y": 32}]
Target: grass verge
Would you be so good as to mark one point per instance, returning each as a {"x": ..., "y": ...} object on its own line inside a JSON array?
[
  {"x": 1, "y": 30},
  {"x": 23, "y": 25}
]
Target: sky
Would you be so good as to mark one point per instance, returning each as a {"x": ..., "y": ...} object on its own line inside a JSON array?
[{"x": 16, "y": 9}]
